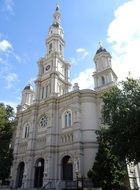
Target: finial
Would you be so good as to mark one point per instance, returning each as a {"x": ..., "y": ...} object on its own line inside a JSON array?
[
  {"x": 100, "y": 44},
  {"x": 101, "y": 48},
  {"x": 57, "y": 6},
  {"x": 129, "y": 74},
  {"x": 57, "y": 16},
  {"x": 29, "y": 83}
]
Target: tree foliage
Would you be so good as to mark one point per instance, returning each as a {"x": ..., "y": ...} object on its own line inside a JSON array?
[
  {"x": 6, "y": 128},
  {"x": 121, "y": 113},
  {"x": 107, "y": 172}
]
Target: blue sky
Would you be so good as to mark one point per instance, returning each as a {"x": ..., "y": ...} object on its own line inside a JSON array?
[{"x": 24, "y": 27}]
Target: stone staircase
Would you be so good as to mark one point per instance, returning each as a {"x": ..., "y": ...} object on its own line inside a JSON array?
[
  {"x": 58, "y": 185},
  {"x": 8, "y": 188}
]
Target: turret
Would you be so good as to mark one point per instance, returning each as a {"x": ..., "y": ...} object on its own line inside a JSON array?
[
  {"x": 27, "y": 96},
  {"x": 104, "y": 76}
]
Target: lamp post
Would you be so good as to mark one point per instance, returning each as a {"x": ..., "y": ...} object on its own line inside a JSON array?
[
  {"x": 76, "y": 179},
  {"x": 39, "y": 167}
]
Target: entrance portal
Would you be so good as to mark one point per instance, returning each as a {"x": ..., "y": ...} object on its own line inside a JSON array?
[
  {"x": 20, "y": 172},
  {"x": 39, "y": 171},
  {"x": 67, "y": 168}
]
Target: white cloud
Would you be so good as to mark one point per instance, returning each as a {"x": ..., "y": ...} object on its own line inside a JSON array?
[
  {"x": 124, "y": 35},
  {"x": 10, "y": 78},
  {"x": 5, "y": 46},
  {"x": 73, "y": 61},
  {"x": 18, "y": 58},
  {"x": 12, "y": 104},
  {"x": 81, "y": 54},
  {"x": 9, "y": 4},
  {"x": 6, "y": 61},
  {"x": 32, "y": 80},
  {"x": 7, "y": 49},
  {"x": 85, "y": 79}
]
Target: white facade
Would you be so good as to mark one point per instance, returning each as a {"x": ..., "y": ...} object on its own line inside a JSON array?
[
  {"x": 134, "y": 175},
  {"x": 55, "y": 135}
]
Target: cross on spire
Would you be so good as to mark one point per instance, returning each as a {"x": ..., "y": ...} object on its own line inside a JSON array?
[
  {"x": 57, "y": 15},
  {"x": 100, "y": 44}
]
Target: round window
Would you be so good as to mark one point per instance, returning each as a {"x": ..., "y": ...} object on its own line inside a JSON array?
[{"x": 43, "y": 121}]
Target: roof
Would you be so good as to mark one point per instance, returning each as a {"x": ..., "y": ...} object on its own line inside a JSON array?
[
  {"x": 28, "y": 87},
  {"x": 55, "y": 25},
  {"x": 101, "y": 49}
]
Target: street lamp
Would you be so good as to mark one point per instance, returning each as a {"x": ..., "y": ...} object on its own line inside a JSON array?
[
  {"x": 79, "y": 181},
  {"x": 76, "y": 179},
  {"x": 39, "y": 167}
]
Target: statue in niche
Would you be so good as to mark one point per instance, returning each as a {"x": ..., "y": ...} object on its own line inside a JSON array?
[
  {"x": 76, "y": 165},
  {"x": 46, "y": 167}
]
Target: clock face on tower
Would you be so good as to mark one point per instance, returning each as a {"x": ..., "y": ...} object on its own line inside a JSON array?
[{"x": 48, "y": 67}]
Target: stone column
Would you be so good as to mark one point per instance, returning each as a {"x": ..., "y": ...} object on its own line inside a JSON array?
[
  {"x": 45, "y": 179},
  {"x": 13, "y": 175},
  {"x": 31, "y": 173},
  {"x": 25, "y": 176}
]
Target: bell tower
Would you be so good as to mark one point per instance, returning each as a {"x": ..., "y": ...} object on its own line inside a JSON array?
[
  {"x": 55, "y": 41},
  {"x": 104, "y": 76},
  {"x": 53, "y": 79}
]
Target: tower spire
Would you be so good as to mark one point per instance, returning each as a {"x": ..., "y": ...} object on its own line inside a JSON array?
[
  {"x": 57, "y": 15},
  {"x": 53, "y": 78},
  {"x": 55, "y": 41},
  {"x": 57, "y": 6},
  {"x": 100, "y": 44}
]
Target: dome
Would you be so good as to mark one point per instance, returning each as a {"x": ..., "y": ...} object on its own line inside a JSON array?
[
  {"x": 28, "y": 87},
  {"x": 55, "y": 25},
  {"x": 101, "y": 49}
]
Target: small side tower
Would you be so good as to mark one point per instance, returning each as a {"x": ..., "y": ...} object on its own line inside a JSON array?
[
  {"x": 104, "y": 76},
  {"x": 27, "y": 96}
]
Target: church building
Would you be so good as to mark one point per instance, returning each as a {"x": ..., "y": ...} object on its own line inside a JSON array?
[{"x": 55, "y": 133}]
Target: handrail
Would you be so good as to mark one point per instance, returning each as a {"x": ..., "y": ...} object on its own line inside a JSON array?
[{"x": 44, "y": 187}]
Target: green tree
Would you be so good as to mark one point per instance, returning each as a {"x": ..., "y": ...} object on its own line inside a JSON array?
[
  {"x": 6, "y": 128},
  {"x": 121, "y": 113},
  {"x": 107, "y": 172}
]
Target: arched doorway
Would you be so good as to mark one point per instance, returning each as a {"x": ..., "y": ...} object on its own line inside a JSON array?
[
  {"x": 20, "y": 171},
  {"x": 39, "y": 171},
  {"x": 67, "y": 168}
]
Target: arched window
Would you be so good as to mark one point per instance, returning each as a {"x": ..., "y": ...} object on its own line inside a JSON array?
[
  {"x": 103, "y": 80},
  {"x": 42, "y": 95},
  {"x": 20, "y": 171},
  {"x": 43, "y": 121},
  {"x": 46, "y": 91},
  {"x": 60, "y": 48},
  {"x": 67, "y": 119},
  {"x": 67, "y": 168},
  {"x": 26, "y": 131},
  {"x": 39, "y": 173},
  {"x": 50, "y": 48}
]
